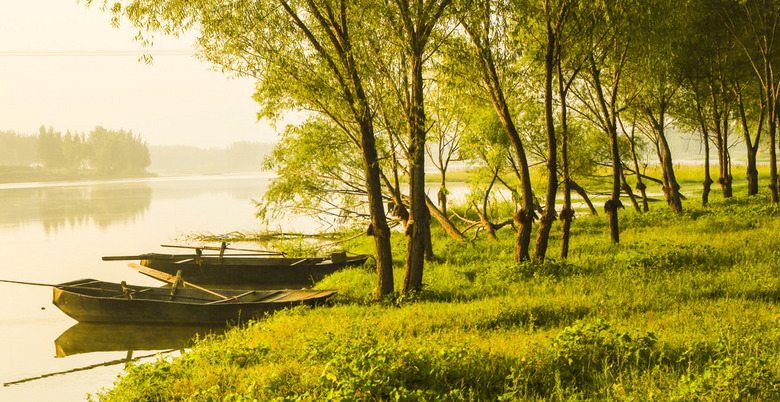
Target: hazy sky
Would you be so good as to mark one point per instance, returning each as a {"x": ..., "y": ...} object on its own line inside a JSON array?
[{"x": 50, "y": 76}]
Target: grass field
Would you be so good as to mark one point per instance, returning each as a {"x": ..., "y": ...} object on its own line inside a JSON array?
[{"x": 685, "y": 308}]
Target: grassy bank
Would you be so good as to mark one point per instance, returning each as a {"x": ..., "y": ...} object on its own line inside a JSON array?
[{"x": 685, "y": 308}]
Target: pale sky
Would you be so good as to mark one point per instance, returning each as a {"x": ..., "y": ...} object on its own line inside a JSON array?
[{"x": 176, "y": 100}]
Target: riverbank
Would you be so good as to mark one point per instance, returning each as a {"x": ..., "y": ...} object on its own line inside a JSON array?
[
  {"x": 27, "y": 174},
  {"x": 685, "y": 308}
]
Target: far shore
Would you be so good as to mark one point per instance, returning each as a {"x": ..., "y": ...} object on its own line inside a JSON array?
[{"x": 25, "y": 174}]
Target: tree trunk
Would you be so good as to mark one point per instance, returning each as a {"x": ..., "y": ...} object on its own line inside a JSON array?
[
  {"x": 671, "y": 187},
  {"x": 567, "y": 212},
  {"x": 612, "y": 205},
  {"x": 772, "y": 120},
  {"x": 707, "y": 184},
  {"x": 381, "y": 231},
  {"x": 525, "y": 215},
  {"x": 724, "y": 158},
  {"x": 752, "y": 174},
  {"x": 524, "y": 218},
  {"x": 444, "y": 221},
  {"x": 485, "y": 223},
  {"x": 640, "y": 186},
  {"x": 629, "y": 193},
  {"x": 582, "y": 193},
  {"x": 773, "y": 176},
  {"x": 751, "y": 146},
  {"x": 609, "y": 119},
  {"x": 418, "y": 229},
  {"x": 772, "y": 108},
  {"x": 549, "y": 214},
  {"x": 442, "y": 195}
]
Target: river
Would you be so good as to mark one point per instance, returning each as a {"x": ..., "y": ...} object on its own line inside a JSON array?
[{"x": 56, "y": 232}]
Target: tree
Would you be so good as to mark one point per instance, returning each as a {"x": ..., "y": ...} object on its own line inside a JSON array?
[
  {"x": 753, "y": 25},
  {"x": 48, "y": 148},
  {"x": 75, "y": 150},
  {"x": 486, "y": 23},
  {"x": 307, "y": 55},
  {"x": 449, "y": 121},
  {"x": 656, "y": 80},
  {"x": 112, "y": 152},
  {"x": 692, "y": 111},
  {"x": 550, "y": 17},
  {"x": 414, "y": 22},
  {"x": 751, "y": 111},
  {"x": 608, "y": 39},
  {"x": 710, "y": 66}
]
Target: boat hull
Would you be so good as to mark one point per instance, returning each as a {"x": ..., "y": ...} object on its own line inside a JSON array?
[
  {"x": 105, "y": 302},
  {"x": 250, "y": 273}
]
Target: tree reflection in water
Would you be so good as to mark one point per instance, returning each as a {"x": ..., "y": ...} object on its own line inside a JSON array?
[{"x": 59, "y": 207}]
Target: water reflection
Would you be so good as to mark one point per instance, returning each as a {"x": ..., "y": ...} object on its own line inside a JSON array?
[
  {"x": 109, "y": 363},
  {"x": 57, "y": 208},
  {"x": 84, "y": 338},
  {"x": 63, "y": 206},
  {"x": 90, "y": 338}
]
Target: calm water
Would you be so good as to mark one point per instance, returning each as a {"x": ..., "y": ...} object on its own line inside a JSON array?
[{"x": 52, "y": 233}]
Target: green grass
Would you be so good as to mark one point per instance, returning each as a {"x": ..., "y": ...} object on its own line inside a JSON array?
[{"x": 684, "y": 309}]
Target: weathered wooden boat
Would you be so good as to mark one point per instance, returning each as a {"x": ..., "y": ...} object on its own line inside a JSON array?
[
  {"x": 247, "y": 271},
  {"x": 90, "y": 300}
]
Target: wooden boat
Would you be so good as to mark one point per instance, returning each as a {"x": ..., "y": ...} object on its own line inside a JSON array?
[
  {"x": 90, "y": 300},
  {"x": 247, "y": 271}
]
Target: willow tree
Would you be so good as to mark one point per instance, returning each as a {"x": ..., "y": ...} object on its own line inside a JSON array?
[
  {"x": 414, "y": 23},
  {"x": 657, "y": 82},
  {"x": 485, "y": 22},
  {"x": 696, "y": 113},
  {"x": 708, "y": 58},
  {"x": 550, "y": 17},
  {"x": 305, "y": 55},
  {"x": 754, "y": 26},
  {"x": 599, "y": 92}
]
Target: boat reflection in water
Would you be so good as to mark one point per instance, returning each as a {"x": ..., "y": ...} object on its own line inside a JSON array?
[
  {"x": 151, "y": 340},
  {"x": 89, "y": 338}
]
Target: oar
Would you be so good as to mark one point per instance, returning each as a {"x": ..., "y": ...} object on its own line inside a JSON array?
[
  {"x": 212, "y": 248},
  {"x": 169, "y": 278},
  {"x": 49, "y": 284},
  {"x": 168, "y": 257}
]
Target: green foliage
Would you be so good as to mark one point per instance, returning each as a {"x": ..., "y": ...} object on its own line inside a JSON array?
[
  {"x": 372, "y": 371},
  {"x": 48, "y": 149},
  {"x": 319, "y": 172},
  {"x": 112, "y": 152},
  {"x": 578, "y": 358},
  {"x": 727, "y": 380},
  {"x": 103, "y": 151}
]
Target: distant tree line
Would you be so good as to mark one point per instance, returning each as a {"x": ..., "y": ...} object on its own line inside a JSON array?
[
  {"x": 241, "y": 156},
  {"x": 102, "y": 150}
]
